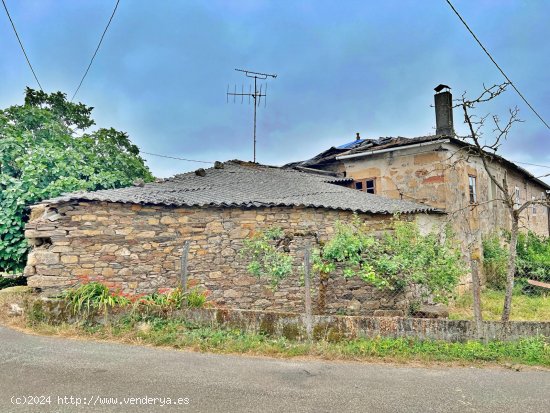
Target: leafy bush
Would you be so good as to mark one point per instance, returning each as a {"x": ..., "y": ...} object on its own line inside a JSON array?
[
  {"x": 400, "y": 258},
  {"x": 533, "y": 260},
  {"x": 495, "y": 262},
  {"x": 266, "y": 255}
]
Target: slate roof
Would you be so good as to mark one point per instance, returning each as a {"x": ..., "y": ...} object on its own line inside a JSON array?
[{"x": 240, "y": 184}]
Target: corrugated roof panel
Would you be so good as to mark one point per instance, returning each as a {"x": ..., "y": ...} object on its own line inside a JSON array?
[{"x": 240, "y": 184}]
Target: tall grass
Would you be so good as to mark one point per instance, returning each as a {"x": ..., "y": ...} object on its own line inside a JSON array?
[{"x": 524, "y": 307}]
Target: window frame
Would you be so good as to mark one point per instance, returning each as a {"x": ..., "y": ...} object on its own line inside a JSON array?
[
  {"x": 373, "y": 180},
  {"x": 533, "y": 206},
  {"x": 472, "y": 189},
  {"x": 363, "y": 183}
]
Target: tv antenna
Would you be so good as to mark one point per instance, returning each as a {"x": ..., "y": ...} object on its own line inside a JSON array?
[{"x": 256, "y": 95}]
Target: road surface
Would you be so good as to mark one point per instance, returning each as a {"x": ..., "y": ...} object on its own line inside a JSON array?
[{"x": 61, "y": 375}]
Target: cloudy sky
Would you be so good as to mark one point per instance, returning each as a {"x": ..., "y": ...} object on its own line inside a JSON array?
[{"x": 342, "y": 67}]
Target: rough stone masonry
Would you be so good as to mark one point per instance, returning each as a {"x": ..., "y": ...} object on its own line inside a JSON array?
[{"x": 138, "y": 249}]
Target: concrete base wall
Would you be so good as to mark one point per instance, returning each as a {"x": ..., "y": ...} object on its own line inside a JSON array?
[{"x": 329, "y": 327}]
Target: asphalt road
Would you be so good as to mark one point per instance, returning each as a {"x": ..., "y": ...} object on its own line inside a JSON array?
[{"x": 97, "y": 373}]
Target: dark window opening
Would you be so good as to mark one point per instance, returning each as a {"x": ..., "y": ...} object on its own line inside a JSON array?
[
  {"x": 370, "y": 186},
  {"x": 359, "y": 185}
]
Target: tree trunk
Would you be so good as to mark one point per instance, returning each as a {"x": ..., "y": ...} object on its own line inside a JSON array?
[
  {"x": 476, "y": 291},
  {"x": 511, "y": 269}
]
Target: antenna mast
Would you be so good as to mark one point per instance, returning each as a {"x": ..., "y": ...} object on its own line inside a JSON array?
[{"x": 256, "y": 95}]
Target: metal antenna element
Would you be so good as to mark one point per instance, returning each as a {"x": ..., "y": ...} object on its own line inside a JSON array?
[{"x": 256, "y": 94}]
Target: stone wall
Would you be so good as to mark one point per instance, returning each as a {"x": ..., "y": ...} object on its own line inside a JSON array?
[{"x": 138, "y": 249}]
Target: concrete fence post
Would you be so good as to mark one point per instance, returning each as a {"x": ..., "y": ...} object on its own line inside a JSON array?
[
  {"x": 307, "y": 286},
  {"x": 184, "y": 258}
]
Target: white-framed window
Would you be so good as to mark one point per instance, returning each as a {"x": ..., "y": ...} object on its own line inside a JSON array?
[
  {"x": 534, "y": 206},
  {"x": 517, "y": 197},
  {"x": 472, "y": 189}
]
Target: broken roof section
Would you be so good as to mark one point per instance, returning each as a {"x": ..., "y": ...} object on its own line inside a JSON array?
[{"x": 248, "y": 185}]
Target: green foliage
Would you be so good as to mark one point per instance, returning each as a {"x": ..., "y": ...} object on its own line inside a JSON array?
[
  {"x": 93, "y": 297},
  {"x": 533, "y": 260},
  {"x": 165, "y": 298},
  {"x": 12, "y": 282},
  {"x": 495, "y": 262},
  {"x": 266, "y": 256},
  {"x": 46, "y": 151},
  {"x": 349, "y": 246},
  {"x": 400, "y": 258},
  {"x": 195, "y": 298}
]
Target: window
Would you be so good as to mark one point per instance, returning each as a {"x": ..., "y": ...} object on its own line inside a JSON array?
[
  {"x": 366, "y": 185},
  {"x": 517, "y": 197},
  {"x": 534, "y": 206},
  {"x": 370, "y": 186},
  {"x": 472, "y": 189}
]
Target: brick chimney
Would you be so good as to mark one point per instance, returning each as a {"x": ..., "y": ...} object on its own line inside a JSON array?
[{"x": 443, "y": 111}]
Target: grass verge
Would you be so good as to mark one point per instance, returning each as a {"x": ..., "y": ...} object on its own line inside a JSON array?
[
  {"x": 524, "y": 307},
  {"x": 180, "y": 334}
]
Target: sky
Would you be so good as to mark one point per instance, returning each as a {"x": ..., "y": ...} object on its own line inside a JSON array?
[{"x": 342, "y": 67}]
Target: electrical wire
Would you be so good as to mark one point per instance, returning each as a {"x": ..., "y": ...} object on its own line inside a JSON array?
[
  {"x": 532, "y": 164},
  {"x": 175, "y": 157},
  {"x": 96, "y": 50},
  {"x": 495, "y": 63},
  {"x": 21, "y": 44}
]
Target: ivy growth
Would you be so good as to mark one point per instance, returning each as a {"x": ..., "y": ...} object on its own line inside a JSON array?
[
  {"x": 45, "y": 150},
  {"x": 265, "y": 252},
  {"x": 399, "y": 258}
]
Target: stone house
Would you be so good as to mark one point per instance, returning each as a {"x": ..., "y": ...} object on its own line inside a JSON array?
[
  {"x": 132, "y": 238},
  {"x": 439, "y": 171}
]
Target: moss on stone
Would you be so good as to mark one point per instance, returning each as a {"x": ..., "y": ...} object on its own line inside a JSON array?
[{"x": 291, "y": 331}]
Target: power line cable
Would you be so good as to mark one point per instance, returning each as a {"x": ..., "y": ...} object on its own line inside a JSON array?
[
  {"x": 498, "y": 67},
  {"x": 532, "y": 164},
  {"x": 21, "y": 44},
  {"x": 175, "y": 157},
  {"x": 96, "y": 50}
]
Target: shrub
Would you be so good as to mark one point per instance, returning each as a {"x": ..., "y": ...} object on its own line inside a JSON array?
[
  {"x": 533, "y": 259},
  {"x": 495, "y": 262},
  {"x": 400, "y": 258}
]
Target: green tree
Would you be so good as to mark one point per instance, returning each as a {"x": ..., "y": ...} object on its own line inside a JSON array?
[{"x": 46, "y": 150}]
